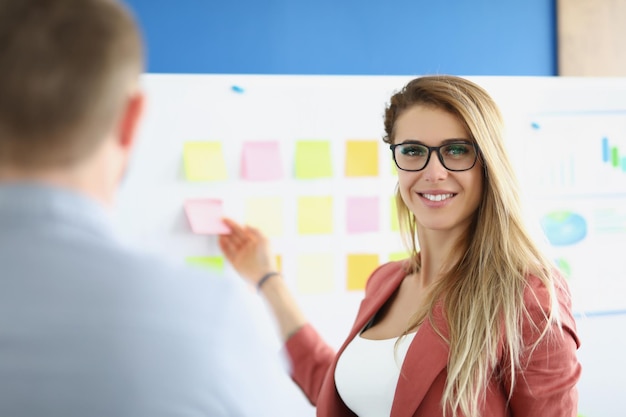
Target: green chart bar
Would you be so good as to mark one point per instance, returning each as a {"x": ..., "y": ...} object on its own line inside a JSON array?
[{"x": 615, "y": 157}]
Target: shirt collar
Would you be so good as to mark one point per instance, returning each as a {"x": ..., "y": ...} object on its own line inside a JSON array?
[{"x": 53, "y": 204}]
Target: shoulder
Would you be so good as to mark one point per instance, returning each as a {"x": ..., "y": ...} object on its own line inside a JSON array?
[
  {"x": 552, "y": 298},
  {"x": 153, "y": 281},
  {"x": 382, "y": 275}
]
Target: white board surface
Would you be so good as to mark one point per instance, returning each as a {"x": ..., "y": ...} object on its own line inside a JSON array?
[{"x": 566, "y": 136}]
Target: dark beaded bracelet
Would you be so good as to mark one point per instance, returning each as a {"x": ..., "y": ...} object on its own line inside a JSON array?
[{"x": 265, "y": 278}]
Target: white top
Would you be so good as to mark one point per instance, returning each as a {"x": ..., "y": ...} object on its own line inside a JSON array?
[{"x": 367, "y": 374}]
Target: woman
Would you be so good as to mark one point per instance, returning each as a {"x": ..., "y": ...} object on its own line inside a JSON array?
[{"x": 477, "y": 322}]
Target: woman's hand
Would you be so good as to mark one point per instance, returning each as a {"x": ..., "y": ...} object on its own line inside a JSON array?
[{"x": 248, "y": 251}]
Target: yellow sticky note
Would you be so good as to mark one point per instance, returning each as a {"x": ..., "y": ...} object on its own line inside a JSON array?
[
  {"x": 266, "y": 214},
  {"x": 213, "y": 263},
  {"x": 360, "y": 266},
  {"x": 279, "y": 263},
  {"x": 313, "y": 159},
  {"x": 361, "y": 158},
  {"x": 204, "y": 161},
  {"x": 395, "y": 224},
  {"x": 315, "y": 273},
  {"x": 315, "y": 215}
]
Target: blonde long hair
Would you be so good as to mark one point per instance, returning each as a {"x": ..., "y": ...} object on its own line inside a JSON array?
[{"x": 483, "y": 290}]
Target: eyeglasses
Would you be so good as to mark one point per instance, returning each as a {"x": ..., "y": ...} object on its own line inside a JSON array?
[{"x": 457, "y": 155}]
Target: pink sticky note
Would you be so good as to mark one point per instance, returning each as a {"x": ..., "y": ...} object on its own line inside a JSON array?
[
  {"x": 205, "y": 216},
  {"x": 260, "y": 161},
  {"x": 362, "y": 214}
]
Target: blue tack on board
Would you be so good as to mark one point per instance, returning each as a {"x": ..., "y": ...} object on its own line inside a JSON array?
[
  {"x": 237, "y": 89},
  {"x": 535, "y": 125}
]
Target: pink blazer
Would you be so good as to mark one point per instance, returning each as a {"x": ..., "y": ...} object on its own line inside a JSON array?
[{"x": 545, "y": 387}]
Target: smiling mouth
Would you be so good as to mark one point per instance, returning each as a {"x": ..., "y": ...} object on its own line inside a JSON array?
[{"x": 437, "y": 197}]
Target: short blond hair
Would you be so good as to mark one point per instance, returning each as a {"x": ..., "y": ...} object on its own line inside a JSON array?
[{"x": 65, "y": 71}]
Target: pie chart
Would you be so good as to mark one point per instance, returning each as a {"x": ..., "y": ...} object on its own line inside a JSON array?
[{"x": 564, "y": 227}]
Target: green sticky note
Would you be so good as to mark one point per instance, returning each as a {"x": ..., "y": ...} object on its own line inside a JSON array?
[
  {"x": 395, "y": 224},
  {"x": 394, "y": 168},
  {"x": 315, "y": 273},
  {"x": 360, "y": 266},
  {"x": 213, "y": 263},
  {"x": 398, "y": 256},
  {"x": 315, "y": 215},
  {"x": 361, "y": 158},
  {"x": 204, "y": 161},
  {"x": 313, "y": 159},
  {"x": 266, "y": 214}
]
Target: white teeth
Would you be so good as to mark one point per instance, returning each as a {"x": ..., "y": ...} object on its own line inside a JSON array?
[{"x": 437, "y": 197}]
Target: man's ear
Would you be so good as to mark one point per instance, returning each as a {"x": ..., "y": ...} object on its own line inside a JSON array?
[{"x": 130, "y": 119}]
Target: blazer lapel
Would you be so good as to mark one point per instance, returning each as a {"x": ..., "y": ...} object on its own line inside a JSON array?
[
  {"x": 384, "y": 282},
  {"x": 426, "y": 358},
  {"x": 377, "y": 296}
]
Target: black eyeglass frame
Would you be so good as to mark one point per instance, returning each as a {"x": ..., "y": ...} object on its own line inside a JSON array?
[{"x": 435, "y": 149}]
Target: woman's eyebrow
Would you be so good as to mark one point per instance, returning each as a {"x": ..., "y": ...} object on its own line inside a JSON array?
[{"x": 443, "y": 142}]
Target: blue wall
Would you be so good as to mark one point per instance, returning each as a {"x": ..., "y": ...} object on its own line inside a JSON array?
[{"x": 369, "y": 37}]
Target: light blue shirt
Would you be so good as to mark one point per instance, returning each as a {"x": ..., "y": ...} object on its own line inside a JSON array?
[{"x": 91, "y": 328}]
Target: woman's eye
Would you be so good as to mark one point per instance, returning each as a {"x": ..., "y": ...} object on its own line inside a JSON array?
[
  {"x": 413, "y": 150},
  {"x": 456, "y": 150}
]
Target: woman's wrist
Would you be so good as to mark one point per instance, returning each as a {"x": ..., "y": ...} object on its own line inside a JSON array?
[{"x": 261, "y": 282}]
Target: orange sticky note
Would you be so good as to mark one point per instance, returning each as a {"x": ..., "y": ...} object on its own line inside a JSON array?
[
  {"x": 205, "y": 216},
  {"x": 260, "y": 161},
  {"x": 360, "y": 266},
  {"x": 361, "y": 158}
]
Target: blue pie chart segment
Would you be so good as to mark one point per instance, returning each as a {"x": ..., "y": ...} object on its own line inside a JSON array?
[{"x": 564, "y": 228}]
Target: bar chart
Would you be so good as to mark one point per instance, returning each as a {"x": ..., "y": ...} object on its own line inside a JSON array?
[{"x": 577, "y": 153}]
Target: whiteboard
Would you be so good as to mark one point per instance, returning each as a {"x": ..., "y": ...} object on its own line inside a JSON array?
[{"x": 566, "y": 137}]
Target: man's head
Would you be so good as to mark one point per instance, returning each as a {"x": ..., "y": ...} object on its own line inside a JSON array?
[{"x": 69, "y": 72}]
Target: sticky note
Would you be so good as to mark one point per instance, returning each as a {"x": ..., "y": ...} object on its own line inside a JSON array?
[
  {"x": 266, "y": 214},
  {"x": 393, "y": 210},
  {"x": 362, "y": 214},
  {"x": 361, "y": 158},
  {"x": 359, "y": 267},
  {"x": 212, "y": 263},
  {"x": 313, "y": 159},
  {"x": 315, "y": 273},
  {"x": 315, "y": 215},
  {"x": 204, "y": 161},
  {"x": 260, "y": 161},
  {"x": 398, "y": 256},
  {"x": 279, "y": 263},
  {"x": 394, "y": 168},
  {"x": 205, "y": 216}
]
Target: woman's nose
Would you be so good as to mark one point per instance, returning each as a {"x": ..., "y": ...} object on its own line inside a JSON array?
[{"x": 434, "y": 170}]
